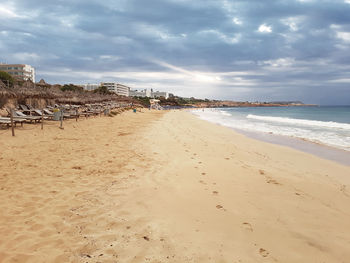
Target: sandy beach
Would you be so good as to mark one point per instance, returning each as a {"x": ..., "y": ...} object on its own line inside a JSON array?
[{"x": 166, "y": 187}]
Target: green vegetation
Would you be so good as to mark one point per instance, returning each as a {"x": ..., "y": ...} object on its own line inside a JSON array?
[
  {"x": 188, "y": 101},
  {"x": 172, "y": 101},
  {"x": 144, "y": 101},
  {"x": 7, "y": 79},
  {"x": 71, "y": 87},
  {"x": 102, "y": 90}
]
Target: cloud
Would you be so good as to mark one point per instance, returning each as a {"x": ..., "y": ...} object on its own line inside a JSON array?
[
  {"x": 269, "y": 50},
  {"x": 345, "y": 36},
  {"x": 264, "y": 28},
  {"x": 7, "y": 13},
  {"x": 25, "y": 56}
]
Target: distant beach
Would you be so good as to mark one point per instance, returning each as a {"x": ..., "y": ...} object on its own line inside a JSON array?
[{"x": 166, "y": 186}]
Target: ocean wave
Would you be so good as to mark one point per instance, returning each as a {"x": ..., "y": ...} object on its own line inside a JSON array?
[
  {"x": 225, "y": 113},
  {"x": 328, "y": 133},
  {"x": 303, "y": 122}
]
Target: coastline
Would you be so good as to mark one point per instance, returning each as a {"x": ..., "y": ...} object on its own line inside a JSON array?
[
  {"x": 319, "y": 149},
  {"x": 166, "y": 187}
]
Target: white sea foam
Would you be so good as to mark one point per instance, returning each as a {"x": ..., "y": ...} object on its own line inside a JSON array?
[
  {"x": 225, "y": 113},
  {"x": 303, "y": 122},
  {"x": 327, "y": 133}
]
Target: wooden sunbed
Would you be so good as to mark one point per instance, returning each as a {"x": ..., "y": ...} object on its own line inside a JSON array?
[
  {"x": 21, "y": 115},
  {"x": 7, "y": 120},
  {"x": 40, "y": 113}
]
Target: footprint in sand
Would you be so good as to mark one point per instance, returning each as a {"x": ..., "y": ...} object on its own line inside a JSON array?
[
  {"x": 203, "y": 173},
  {"x": 247, "y": 226},
  {"x": 215, "y": 192},
  {"x": 344, "y": 190},
  {"x": 262, "y": 172},
  {"x": 269, "y": 180},
  {"x": 263, "y": 252}
]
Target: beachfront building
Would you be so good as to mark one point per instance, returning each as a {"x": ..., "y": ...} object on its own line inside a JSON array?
[
  {"x": 149, "y": 93},
  {"x": 89, "y": 86},
  {"x": 117, "y": 88},
  {"x": 142, "y": 93},
  {"x": 137, "y": 93},
  {"x": 158, "y": 94},
  {"x": 21, "y": 71}
]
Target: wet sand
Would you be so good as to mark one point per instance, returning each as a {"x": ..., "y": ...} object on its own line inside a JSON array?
[
  {"x": 326, "y": 152},
  {"x": 166, "y": 187}
]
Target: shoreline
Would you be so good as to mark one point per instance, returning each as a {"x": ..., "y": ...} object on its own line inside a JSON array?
[
  {"x": 321, "y": 150},
  {"x": 164, "y": 186},
  {"x": 317, "y": 149}
]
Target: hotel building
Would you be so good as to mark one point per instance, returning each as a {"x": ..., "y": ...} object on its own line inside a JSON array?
[
  {"x": 117, "y": 88},
  {"x": 89, "y": 86},
  {"x": 150, "y": 93},
  {"x": 21, "y": 71}
]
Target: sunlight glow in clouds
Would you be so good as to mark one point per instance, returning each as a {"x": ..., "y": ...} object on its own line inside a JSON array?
[
  {"x": 194, "y": 75},
  {"x": 6, "y": 12}
]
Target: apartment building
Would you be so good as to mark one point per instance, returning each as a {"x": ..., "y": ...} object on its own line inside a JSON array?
[
  {"x": 150, "y": 93},
  {"x": 117, "y": 88},
  {"x": 157, "y": 94},
  {"x": 21, "y": 71},
  {"x": 89, "y": 86},
  {"x": 137, "y": 93}
]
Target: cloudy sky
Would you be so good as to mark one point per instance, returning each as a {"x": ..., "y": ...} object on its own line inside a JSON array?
[{"x": 224, "y": 49}]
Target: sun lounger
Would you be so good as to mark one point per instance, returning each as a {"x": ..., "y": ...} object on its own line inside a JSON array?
[
  {"x": 40, "y": 113},
  {"x": 26, "y": 109},
  {"x": 47, "y": 112},
  {"x": 3, "y": 121},
  {"x": 21, "y": 115},
  {"x": 7, "y": 120}
]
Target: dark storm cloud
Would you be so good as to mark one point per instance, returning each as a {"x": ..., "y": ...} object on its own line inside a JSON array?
[{"x": 244, "y": 50}]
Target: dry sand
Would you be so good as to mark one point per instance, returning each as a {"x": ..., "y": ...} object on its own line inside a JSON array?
[{"x": 166, "y": 187}]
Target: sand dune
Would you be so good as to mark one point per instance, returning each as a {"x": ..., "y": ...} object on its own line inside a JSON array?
[{"x": 166, "y": 187}]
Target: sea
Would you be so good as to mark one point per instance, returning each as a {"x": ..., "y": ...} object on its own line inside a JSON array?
[{"x": 320, "y": 130}]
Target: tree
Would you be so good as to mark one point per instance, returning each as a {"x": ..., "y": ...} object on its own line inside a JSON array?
[
  {"x": 6, "y": 78},
  {"x": 71, "y": 87},
  {"x": 102, "y": 90}
]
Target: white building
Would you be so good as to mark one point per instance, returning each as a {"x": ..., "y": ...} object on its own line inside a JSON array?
[
  {"x": 158, "y": 94},
  {"x": 117, "y": 88},
  {"x": 22, "y": 71},
  {"x": 89, "y": 86},
  {"x": 136, "y": 93},
  {"x": 150, "y": 93}
]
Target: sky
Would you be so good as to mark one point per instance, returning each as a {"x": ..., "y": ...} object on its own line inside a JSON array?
[{"x": 253, "y": 50}]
